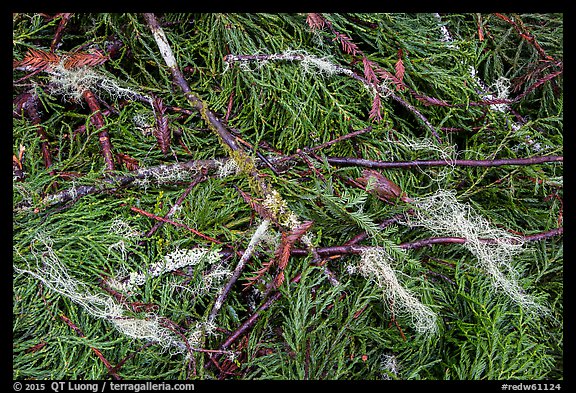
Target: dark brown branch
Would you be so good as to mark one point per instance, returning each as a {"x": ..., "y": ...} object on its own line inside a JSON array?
[
  {"x": 350, "y": 161},
  {"x": 65, "y": 17},
  {"x": 180, "y": 81},
  {"x": 32, "y": 112},
  {"x": 544, "y": 235},
  {"x": 339, "y": 139}
]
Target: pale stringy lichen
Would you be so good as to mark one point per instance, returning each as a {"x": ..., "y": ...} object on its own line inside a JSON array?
[
  {"x": 126, "y": 233},
  {"x": 442, "y": 214},
  {"x": 376, "y": 264},
  {"x": 72, "y": 83},
  {"x": 389, "y": 366},
  {"x": 54, "y": 275},
  {"x": 176, "y": 259}
]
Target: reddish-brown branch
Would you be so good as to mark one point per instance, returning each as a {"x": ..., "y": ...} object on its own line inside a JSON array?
[
  {"x": 178, "y": 224},
  {"x": 526, "y": 35},
  {"x": 98, "y": 121},
  {"x": 538, "y": 83},
  {"x": 431, "y": 101},
  {"x": 326, "y": 144},
  {"x": 229, "y": 108},
  {"x": 116, "y": 368},
  {"x": 362, "y": 236},
  {"x": 111, "y": 369},
  {"x": 105, "y": 112},
  {"x": 169, "y": 324}
]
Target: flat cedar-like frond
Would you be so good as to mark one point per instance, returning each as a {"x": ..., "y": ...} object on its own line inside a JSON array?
[
  {"x": 36, "y": 59},
  {"x": 335, "y": 196},
  {"x": 347, "y": 44}
]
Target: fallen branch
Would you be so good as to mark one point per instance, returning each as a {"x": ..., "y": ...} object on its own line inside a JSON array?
[
  {"x": 210, "y": 166},
  {"x": 350, "y": 161},
  {"x": 353, "y": 249}
]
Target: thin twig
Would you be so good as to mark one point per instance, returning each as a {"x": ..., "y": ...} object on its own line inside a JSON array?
[
  {"x": 236, "y": 273},
  {"x": 200, "y": 178},
  {"x": 111, "y": 369},
  {"x": 526, "y": 35},
  {"x": 339, "y": 139},
  {"x": 116, "y": 368},
  {"x": 254, "y": 317},
  {"x": 178, "y": 224},
  {"x": 32, "y": 112},
  {"x": 351, "y": 161}
]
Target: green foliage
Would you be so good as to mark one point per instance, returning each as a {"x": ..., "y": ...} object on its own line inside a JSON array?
[{"x": 276, "y": 106}]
